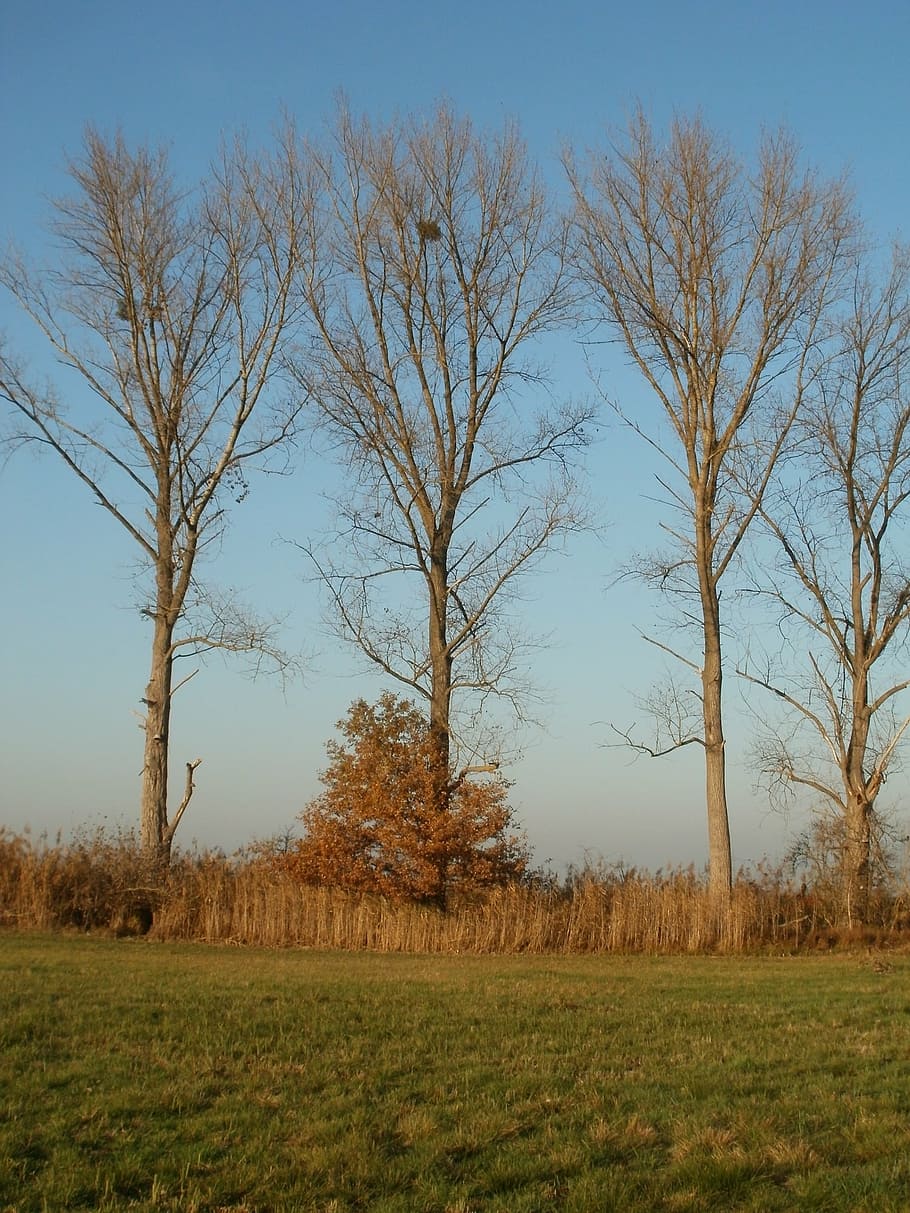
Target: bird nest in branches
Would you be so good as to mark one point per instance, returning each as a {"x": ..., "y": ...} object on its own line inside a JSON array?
[{"x": 429, "y": 229}]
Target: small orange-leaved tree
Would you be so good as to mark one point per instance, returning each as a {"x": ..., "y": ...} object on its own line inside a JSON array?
[{"x": 377, "y": 826}]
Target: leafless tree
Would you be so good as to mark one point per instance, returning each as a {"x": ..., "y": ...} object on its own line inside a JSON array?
[
  {"x": 713, "y": 280},
  {"x": 169, "y": 307},
  {"x": 840, "y": 513},
  {"x": 435, "y": 265}
]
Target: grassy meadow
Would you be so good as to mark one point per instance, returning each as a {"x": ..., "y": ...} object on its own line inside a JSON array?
[{"x": 176, "y": 1076}]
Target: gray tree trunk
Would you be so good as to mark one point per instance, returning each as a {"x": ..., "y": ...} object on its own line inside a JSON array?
[
  {"x": 155, "y": 835},
  {"x": 861, "y": 792},
  {"x": 440, "y": 705},
  {"x": 857, "y": 860},
  {"x": 720, "y": 878}
]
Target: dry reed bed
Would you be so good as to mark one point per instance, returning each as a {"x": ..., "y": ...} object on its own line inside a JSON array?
[{"x": 99, "y": 883}]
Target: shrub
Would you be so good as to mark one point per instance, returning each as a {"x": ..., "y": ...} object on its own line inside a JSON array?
[{"x": 379, "y": 827}]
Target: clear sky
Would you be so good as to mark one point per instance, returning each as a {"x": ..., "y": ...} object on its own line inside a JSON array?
[{"x": 73, "y": 649}]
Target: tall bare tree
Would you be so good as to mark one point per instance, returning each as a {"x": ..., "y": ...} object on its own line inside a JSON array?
[
  {"x": 840, "y": 512},
  {"x": 435, "y": 266},
  {"x": 714, "y": 281},
  {"x": 170, "y": 308}
]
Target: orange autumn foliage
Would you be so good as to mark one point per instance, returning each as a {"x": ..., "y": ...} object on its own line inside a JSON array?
[{"x": 379, "y": 828}]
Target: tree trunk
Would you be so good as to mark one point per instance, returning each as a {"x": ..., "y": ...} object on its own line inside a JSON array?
[
  {"x": 720, "y": 863},
  {"x": 155, "y": 834},
  {"x": 440, "y": 705},
  {"x": 857, "y": 860},
  {"x": 860, "y": 792}
]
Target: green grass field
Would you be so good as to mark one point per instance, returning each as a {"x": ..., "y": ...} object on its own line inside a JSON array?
[{"x": 152, "y": 1076}]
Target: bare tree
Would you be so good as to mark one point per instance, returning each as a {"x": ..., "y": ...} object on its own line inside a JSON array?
[
  {"x": 435, "y": 265},
  {"x": 844, "y": 590},
  {"x": 170, "y": 308},
  {"x": 714, "y": 281}
]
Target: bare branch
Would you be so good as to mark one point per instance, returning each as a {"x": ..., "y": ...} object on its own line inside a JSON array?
[
  {"x": 191, "y": 768},
  {"x": 672, "y": 652},
  {"x": 652, "y": 753}
]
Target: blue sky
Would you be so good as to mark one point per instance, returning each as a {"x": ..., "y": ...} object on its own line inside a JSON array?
[{"x": 72, "y": 646}]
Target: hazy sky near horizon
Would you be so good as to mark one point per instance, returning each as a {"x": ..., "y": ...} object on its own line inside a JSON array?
[{"x": 73, "y": 647}]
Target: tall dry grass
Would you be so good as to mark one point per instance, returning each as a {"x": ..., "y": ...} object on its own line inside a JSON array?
[{"x": 96, "y": 882}]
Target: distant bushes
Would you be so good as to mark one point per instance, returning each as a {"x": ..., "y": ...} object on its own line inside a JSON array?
[{"x": 96, "y": 882}]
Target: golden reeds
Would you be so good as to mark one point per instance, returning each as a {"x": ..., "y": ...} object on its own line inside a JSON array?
[{"x": 96, "y": 882}]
